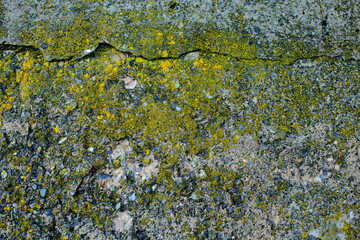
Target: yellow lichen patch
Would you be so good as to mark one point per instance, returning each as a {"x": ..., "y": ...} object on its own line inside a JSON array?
[
  {"x": 179, "y": 108},
  {"x": 165, "y": 65}
]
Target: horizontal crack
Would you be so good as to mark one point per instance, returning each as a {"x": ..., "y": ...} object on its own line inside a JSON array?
[{"x": 20, "y": 48}]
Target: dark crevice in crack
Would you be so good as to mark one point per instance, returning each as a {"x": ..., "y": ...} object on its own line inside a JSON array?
[
  {"x": 62, "y": 60},
  {"x": 181, "y": 56},
  {"x": 16, "y": 48},
  {"x": 102, "y": 45}
]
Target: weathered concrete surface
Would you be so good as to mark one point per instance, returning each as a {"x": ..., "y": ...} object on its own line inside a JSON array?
[
  {"x": 207, "y": 148},
  {"x": 246, "y": 29},
  {"x": 226, "y": 124}
]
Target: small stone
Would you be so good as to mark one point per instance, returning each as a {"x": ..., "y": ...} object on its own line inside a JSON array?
[
  {"x": 202, "y": 174},
  {"x": 192, "y": 56},
  {"x": 351, "y": 213},
  {"x": 7, "y": 52},
  {"x": 71, "y": 106},
  {"x": 322, "y": 178},
  {"x": 315, "y": 233},
  {"x": 175, "y": 107},
  {"x": 130, "y": 83},
  {"x": 120, "y": 151},
  {"x": 34, "y": 186},
  {"x": 23, "y": 114},
  {"x": 132, "y": 196},
  {"x": 104, "y": 176},
  {"x": 207, "y": 94},
  {"x": 43, "y": 192},
  {"x": 177, "y": 84},
  {"x": 122, "y": 222},
  {"x": 123, "y": 160},
  {"x": 87, "y": 51},
  {"x": 91, "y": 149},
  {"x": 118, "y": 205},
  {"x": 3, "y": 174},
  {"x": 62, "y": 140},
  {"x": 194, "y": 196},
  {"x": 118, "y": 57},
  {"x": 109, "y": 160},
  {"x": 231, "y": 209},
  {"x": 241, "y": 127}
]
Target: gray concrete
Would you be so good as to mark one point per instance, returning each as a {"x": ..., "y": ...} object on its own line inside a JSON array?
[{"x": 275, "y": 29}]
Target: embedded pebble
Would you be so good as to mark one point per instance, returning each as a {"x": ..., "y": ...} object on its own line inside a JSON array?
[
  {"x": 175, "y": 107},
  {"x": 322, "y": 178},
  {"x": 3, "y": 174},
  {"x": 194, "y": 196},
  {"x": 192, "y": 56},
  {"x": 207, "y": 94},
  {"x": 123, "y": 160},
  {"x": 231, "y": 209},
  {"x": 43, "y": 192},
  {"x": 122, "y": 222},
  {"x": 118, "y": 205},
  {"x": 352, "y": 216},
  {"x": 130, "y": 83},
  {"x": 7, "y": 52},
  {"x": 104, "y": 176},
  {"x": 88, "y": 51},
  {"x": 132, "y": 196},
  {"x": 202, "y": 174},
  {"x": 62, "y": 140}
]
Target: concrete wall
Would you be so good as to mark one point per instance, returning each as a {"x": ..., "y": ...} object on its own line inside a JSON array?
[{"x": 179, "y": 119}]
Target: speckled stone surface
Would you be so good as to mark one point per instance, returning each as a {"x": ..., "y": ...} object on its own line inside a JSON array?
[
  {"x": 244, "y": 29},
  {"x": 179, "y": 120}
]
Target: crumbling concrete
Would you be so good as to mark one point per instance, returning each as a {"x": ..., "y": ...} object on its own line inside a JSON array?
[{"x": 179, "y": 119}]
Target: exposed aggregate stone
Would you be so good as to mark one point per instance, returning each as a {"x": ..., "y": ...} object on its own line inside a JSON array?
[{"x": 213, "y": 138}]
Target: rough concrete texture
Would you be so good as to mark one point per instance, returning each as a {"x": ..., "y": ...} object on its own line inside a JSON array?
[
  {"x": 269, "y": 29},
  {"x": 179, "y": 120}
]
